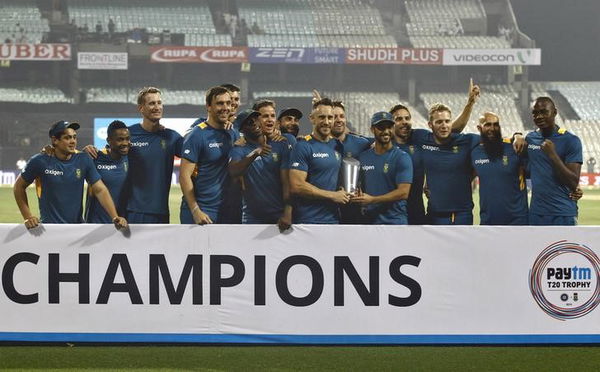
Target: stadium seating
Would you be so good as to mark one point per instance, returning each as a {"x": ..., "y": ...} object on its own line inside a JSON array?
[
  {"x": 589, "y": 133},
  {"x": 311, "y": 23},
  {"x": 21, "y": 21},
  {"x": 582, "y": 96},
  {"x": 191, "y": 18},
  {"x": 322, "y": 41},
  {"x": 33, "y": 95},
  {"x": 124, "y": 95},
  {"x": 458, "y": 42},
  {"x": 208, "y": 40},
  {"x": 439, "y": 24}
]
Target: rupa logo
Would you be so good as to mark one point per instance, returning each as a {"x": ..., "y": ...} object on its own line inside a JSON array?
[
  {"x": 221, "y": 55},
  {"x": 564, "y": 280}
]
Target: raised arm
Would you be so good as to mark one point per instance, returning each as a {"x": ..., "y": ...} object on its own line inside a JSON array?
[
  {"x": 568, "y": 173},
  {"x": 462, "y": 120},
  {"x": 239, "y": 167}
]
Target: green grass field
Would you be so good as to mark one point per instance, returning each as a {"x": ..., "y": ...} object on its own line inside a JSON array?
[
  {"x": 293, "y": 358},
  {"x": 589, "y": 206},
  {"x": 287, "y": 358}
]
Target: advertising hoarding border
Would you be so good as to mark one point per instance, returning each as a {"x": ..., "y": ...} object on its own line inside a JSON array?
[{"x": 439, "y": 339}]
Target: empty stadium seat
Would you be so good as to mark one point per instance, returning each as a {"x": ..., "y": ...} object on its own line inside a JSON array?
[
  {"x": 191, "y": 18},
  {"x": 312, "y": 23},
  {"x": 21, "y": 21},
  {"x": 33, "y": 95}
]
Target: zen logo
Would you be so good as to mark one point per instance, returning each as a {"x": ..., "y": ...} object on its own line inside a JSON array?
[{"x": 280, "y": 53}]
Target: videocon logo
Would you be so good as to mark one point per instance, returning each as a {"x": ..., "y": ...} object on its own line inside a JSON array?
[{"x": 523, "y": 59}]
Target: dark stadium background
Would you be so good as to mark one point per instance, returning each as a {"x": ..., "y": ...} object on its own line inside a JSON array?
[{"x": 568, "y": 32}]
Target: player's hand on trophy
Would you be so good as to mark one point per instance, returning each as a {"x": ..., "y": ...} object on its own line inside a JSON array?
[{"x": 341, "y": 196}]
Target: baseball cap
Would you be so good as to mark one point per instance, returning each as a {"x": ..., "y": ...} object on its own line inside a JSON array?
[
  {"x": 290, "y": 111},
  {"x": 60, "y": 127},
  {"x": 244, "y": 116},
  {"x": 382, "y": 117}
]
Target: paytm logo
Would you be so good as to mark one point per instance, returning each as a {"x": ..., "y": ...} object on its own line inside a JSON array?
[{"x": 569, "y": 273}]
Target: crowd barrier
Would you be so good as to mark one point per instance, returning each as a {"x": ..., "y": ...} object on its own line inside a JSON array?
[{"x": 312, "y": 285}]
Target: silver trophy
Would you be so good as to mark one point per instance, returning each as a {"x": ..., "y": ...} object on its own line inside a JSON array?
[{"x": 350, "y": 171}]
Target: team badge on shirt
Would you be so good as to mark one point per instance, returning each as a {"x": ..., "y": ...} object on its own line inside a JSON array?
[
  {"x": 386, "y": 166},
  {"x": 125, "y": 166},
  {"x": 78, "y": 173},
  {"x": 455, "y": 149},
  {"x": 411, "y": 148},
  {"x": 337, "y": 155},
  {"x": 505, "y": 160},
  {"x": 275, "y": 156},
  {"x": 163, "y": 144},
  {"x": 348, "y": 154}
]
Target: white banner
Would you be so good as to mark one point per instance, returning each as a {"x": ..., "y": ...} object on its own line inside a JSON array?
[
  {"x": 101, "y": 61},
  {"x": 315, "y": 284},
  {"x": 499, "y": 57}
]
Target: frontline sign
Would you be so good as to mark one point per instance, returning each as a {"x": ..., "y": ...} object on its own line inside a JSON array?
[
  {"x": 175, "y": 54},
  {"x": 314, "y": 284},
  {"x": 492, "y": 57},
  {"x": 101, "y": 61},
  {"x": 35, "y": 52}
]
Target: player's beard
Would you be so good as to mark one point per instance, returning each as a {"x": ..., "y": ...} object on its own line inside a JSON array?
[
  {"x": 291, "y": 129},
  {"x": 493, "y": 146}
]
